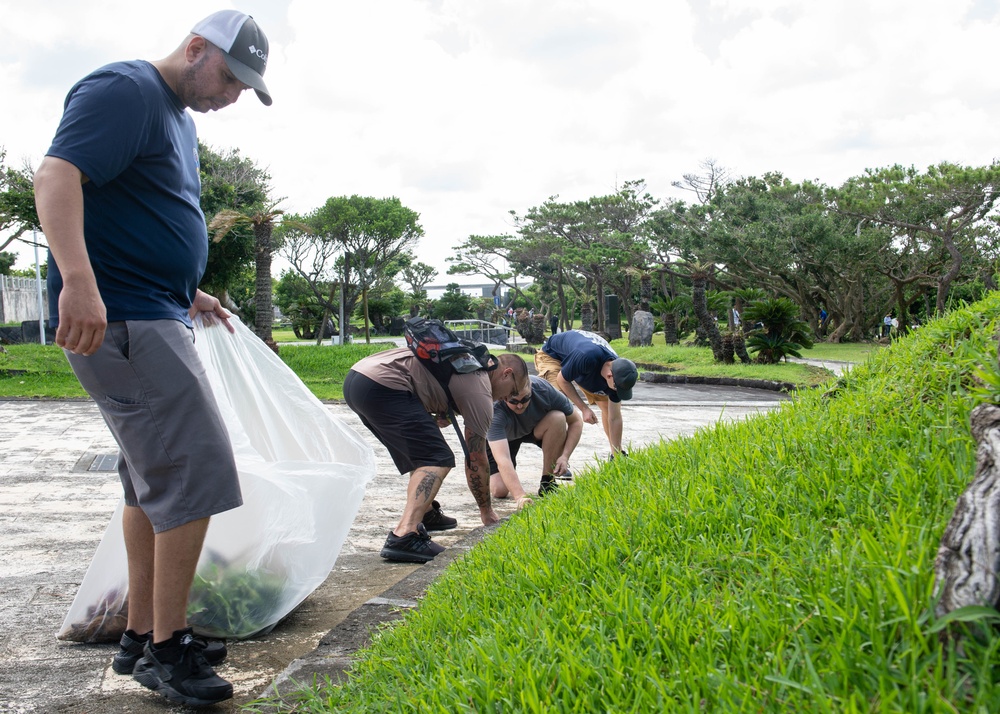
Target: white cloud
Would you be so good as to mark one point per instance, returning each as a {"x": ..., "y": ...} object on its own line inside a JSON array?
[{"x": 465, "y": 110}]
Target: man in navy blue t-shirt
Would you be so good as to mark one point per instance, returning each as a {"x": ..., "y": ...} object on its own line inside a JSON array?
[
  {"x": 588, "y": 360},
  {"x": 118, "y": 197}
]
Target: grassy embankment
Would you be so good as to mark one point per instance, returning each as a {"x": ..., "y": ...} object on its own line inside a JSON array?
[{"x": 783, "y": 563}]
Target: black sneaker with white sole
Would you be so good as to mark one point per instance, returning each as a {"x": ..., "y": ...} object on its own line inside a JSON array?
[
  {"x": 435, "y": 520},
  {"x": 415, "y": 547},
  {"x": 547, "y": 486},
  {"x": 132, "y": 645},
  {"x": 179, "y": 672}
]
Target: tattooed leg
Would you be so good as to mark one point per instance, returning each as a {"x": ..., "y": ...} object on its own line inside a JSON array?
[{"x": 423, "y": 487}]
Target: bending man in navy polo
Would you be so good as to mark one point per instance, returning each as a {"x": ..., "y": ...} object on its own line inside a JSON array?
[{"x": 607, "y": 379}]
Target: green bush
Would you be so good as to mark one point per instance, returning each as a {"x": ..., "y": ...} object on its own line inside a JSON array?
[{"x": 779, "y": 564}]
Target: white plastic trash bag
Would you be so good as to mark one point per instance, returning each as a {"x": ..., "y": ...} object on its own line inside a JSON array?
[{"x": 303, "y": 474}]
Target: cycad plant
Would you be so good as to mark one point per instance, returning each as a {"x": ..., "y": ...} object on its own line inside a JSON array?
[
  {"x": 669, "y": 309},
  {"x": 782, "y": 334}
]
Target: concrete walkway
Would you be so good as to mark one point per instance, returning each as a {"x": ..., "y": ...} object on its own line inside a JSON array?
[{"x": 55, "y": 508}]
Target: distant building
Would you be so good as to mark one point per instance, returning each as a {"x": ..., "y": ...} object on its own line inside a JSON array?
[{"x": 476, "y": 290}]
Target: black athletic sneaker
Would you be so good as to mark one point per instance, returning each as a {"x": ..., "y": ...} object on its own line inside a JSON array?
[
  {"x": 416, "y": 547},
  {"x": 435, "y": 520},
  {"x": 180, "y": 673},
  {"x": 132, "y": 646},
  {"x": 548, "y": 485}
]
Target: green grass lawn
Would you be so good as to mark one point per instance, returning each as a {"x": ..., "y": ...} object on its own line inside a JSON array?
[
  {"x": 779, "y": 564},
  {"x": 39, "y": 371},
  {"x": 856, "y": 352},
  {"x": 323, "y": 369},
  {"x": 36, "y": 371},
  {"x": 698, "y": 362}
]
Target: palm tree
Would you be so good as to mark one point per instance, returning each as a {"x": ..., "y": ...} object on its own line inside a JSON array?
[
  {"x": 743, "y": 297},
  {"x": 783, "y": 333},
  {"x": 262, "y": 223},
  {"x": 699, "y": 273},
  {"x": 587, "y": 316},
  {"x": 669, "y": 308}
]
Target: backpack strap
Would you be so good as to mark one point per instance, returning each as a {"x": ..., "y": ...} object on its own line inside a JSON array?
[{"x": 454, "y": 423}]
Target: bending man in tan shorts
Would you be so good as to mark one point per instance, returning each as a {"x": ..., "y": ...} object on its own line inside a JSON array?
[{"x": 607, "y": 379}]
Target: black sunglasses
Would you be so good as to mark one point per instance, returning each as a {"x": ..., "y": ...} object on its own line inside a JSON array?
[{"x": 518, "y": 402}]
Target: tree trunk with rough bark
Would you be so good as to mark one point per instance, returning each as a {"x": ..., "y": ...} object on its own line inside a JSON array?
[
  {"x": 728, "y": 349},
  {"x": 705, "y": 320},
  {"x": 587, "y": 316},
  {"x": 740, "y": 348},
  {"x": 966, "y": 567},
  {"x": 263, "y": 310},
  {"x": 670, "y": 328}
]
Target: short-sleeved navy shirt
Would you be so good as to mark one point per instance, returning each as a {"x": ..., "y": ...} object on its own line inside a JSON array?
[
  {"x": 129, "y": 133},
  {"x": 508, "y": 424},
  {"x": 582, "y": 354}
]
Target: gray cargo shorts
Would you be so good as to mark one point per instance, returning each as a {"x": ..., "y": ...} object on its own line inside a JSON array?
[{"x": 175, "y": 459}]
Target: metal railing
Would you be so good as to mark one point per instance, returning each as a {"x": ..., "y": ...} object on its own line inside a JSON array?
[
  {"x": 487, "y": 332},
  {"x": 11, "y": 282}
]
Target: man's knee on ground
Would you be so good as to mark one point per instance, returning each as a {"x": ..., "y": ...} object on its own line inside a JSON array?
[{"x": 498, "y": 489}]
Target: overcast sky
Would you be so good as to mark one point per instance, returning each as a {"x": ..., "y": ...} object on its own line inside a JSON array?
[{"x": 467, "y": 109}]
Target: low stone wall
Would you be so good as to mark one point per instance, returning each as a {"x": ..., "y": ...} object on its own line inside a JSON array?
[
  {"x": 664, "y": 378},
  {"x": 25, "y": 333}
]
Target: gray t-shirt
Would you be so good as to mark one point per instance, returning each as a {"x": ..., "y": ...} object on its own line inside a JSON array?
[{"x": 544, "y": 399}]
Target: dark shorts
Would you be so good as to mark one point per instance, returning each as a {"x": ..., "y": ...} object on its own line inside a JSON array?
[
  {"x": 514, "y": 447},
  {"x": 175, "y": 460},
  {"x": 399, "y": 420}
]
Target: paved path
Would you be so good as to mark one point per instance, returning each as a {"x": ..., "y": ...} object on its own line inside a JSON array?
[{"x": 54, "y": 510}]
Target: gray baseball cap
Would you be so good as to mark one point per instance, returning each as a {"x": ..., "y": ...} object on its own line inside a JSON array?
[
  {"x": 625, "y": 374},
  {"x": 244, "y": 45}
]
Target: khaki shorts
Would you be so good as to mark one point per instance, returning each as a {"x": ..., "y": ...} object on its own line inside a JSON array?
[
  {"x": 548, "y": 367},
  {"x": 175, "y": 460}
]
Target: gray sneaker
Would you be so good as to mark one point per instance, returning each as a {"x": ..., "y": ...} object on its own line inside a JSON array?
[{"x": 415, "y": 547}]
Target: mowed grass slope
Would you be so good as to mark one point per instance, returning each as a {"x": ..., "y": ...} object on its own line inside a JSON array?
[{"x": 780, "y": 564}]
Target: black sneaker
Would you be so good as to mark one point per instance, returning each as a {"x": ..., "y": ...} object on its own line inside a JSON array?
[
  {"x": 132, "y": 645},
  {"x": 416, "y": 547},
  {"x": 435, "y": 520},
  {"x": 180, "y": 673},
  {"x": 548, "y": 485}
]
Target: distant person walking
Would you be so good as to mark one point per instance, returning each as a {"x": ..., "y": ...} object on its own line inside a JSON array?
[{"x": 605, "y": 378}]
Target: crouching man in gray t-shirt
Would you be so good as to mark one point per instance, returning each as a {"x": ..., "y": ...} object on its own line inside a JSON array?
[{"x": 540, "y": 415}]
